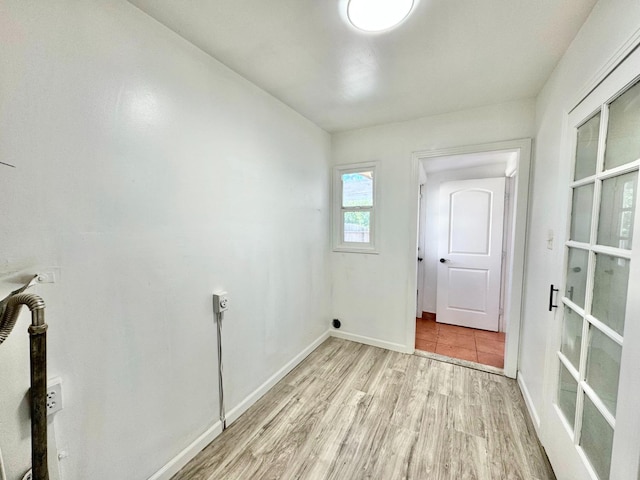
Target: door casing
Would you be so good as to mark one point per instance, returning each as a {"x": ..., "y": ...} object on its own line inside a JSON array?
[{"x": 515, "y": 260}]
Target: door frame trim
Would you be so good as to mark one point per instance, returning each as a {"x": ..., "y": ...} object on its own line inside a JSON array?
[{"x": 516, "y": 264}]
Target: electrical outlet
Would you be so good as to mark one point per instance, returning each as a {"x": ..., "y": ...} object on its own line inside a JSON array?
[
  {"x": 54, "y": 396},
  {"x": 220, "y": 302}
]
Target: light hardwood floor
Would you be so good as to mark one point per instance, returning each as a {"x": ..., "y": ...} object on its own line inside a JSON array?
[{"x": 350, "y": 411}]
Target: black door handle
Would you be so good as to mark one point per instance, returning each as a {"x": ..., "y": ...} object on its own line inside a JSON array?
[
  {"x": 443, "y": 260},
  {"x": 419, "y": 259},
  {"x": 551, "y": 290}
]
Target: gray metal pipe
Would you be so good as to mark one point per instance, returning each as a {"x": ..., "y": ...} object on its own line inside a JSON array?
[{"x": 38, "y": 367}]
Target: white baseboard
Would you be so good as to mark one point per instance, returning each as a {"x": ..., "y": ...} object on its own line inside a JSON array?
[
  {"x": 374, "y": 342},
  {"x": 235, "y": 412},
  {"x": 176, "y": 463},
  {"x": 529, "y": 402}
]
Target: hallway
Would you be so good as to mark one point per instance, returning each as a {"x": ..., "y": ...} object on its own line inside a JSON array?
[{"x": 351, "y": 411}]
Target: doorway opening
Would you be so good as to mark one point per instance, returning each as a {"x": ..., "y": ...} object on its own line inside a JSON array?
[
  {"x": 483, "y": 347},
  {"x": 471, "y": 212}
]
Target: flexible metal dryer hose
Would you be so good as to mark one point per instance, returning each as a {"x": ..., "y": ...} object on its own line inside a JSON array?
[{"x": 10, "y": 308}]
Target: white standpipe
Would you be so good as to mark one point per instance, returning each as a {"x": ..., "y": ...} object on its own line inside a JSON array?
[
  {"x": 223, "y": 418},
  {"x": 3, "y": 474}
]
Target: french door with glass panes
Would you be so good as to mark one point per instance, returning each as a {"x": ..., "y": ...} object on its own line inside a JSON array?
[{"x": 592, "y": 426}]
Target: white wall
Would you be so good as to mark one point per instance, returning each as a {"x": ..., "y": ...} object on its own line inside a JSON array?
[
  {"x": 431, "y": 221},
  {"x": 151, "y": 175},
  {"x": 371, "y": 292},
  {"x": 608, "y": 27}
]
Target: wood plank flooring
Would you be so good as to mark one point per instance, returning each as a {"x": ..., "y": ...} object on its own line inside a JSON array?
[{"x": 351, "y": 411}]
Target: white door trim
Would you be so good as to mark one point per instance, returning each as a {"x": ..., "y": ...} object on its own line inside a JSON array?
[
  {"x": 603, "y": 72},
  {"x": 515, "y": 264}
]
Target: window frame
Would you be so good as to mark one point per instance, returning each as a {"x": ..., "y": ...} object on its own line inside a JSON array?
[{"x": 339, "y": 245}]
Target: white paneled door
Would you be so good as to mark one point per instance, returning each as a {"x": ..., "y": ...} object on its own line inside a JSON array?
[
  {"x": 592, "y": 425},
  {"x": 470, "y": 253}
]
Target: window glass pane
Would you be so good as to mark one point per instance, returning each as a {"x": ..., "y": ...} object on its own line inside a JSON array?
[
  {"x": 603, "y": 367},
  {"x": 571, "y": 336},
  {"x": 596, "y": 439},
  {"x": 577, "y": 276},
  {"x": 623, "y": 132},
  {"x": 357, "y": 189},
  {"x": 587, "y": 148},
  {"x": 567, "y": 393},
  {"x": 356, "y": 227},
  {"x": 615, "y": 226},
  {"x": 581, "y": 213},
  {"x": 610, "y": 291}
]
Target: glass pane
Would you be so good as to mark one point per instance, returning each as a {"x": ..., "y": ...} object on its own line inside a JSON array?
[
  {"x": 603, "y": 368},
  {"x": 581, "y": 213},
  {"x": 357, "y": 189},
  {"x": 356, "y": 227},
  {"x": 615, "y": 227},
  {"x": 577, "y": 276},
  {"x": 610, "y": 291},
  {"x": 623, "y": 135},
  {"x": 567, "y": 393},
  {"x": 587, "y": 148},
  {"x": 571, "y": 336},
  {"x": 596, "y": 439}
]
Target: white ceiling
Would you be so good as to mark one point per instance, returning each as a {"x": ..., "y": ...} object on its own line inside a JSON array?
[{"x": 448, "y": 55}]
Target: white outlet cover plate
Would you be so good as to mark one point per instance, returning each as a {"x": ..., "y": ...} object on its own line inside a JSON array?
[{"x": 54, "y": 396}]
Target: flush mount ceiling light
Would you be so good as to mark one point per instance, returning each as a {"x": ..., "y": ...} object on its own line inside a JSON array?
[{"x": 378, "y": 15}]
